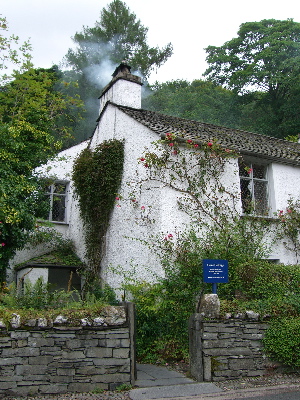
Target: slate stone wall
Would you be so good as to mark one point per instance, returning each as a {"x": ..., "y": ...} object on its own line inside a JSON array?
[
  {"x": 64, "y": 359},
  {"x": 228, "y": 349}
]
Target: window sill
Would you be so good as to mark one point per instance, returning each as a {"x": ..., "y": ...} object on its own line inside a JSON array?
[
  {"x": 260, "y": 217},
  {"x": 53, "y": 222}
]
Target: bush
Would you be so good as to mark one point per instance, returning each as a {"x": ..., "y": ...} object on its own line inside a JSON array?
[
  {"x": 282, "y": 341},
  {"x": 164, "y": 308}
]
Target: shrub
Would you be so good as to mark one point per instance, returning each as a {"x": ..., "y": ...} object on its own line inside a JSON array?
[
  {"x": 282, "y": 341},
  {"x": 164, "y": 308}
]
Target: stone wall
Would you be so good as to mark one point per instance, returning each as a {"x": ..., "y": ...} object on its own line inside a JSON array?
[
  {"x": 226, "y": 349},
  {"x": 63, "y": 358}
]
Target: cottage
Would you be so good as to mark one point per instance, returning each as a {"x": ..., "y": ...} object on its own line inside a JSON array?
[{"x": 266, "y": 179}]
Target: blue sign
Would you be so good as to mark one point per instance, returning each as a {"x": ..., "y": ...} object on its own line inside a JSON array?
[{"x": 215, "y": 271}]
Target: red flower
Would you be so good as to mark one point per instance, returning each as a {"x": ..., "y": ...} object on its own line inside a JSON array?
[
  {"x": 209, "y": 144},
  {"x": 196, "y": 145},
  {"x": 175, "y": 152},
  {"x": 189, "y": 141},
  {"x": 170, "y": 235},
  {"x": 171, "y": 144},
  {"x": 143, "y": 208},
  {"x": 142, "y": 159},
  {"x": 146, "y": 165},
  {"x": 2, "y": 244},
  {"x": 117, "y": 198}
]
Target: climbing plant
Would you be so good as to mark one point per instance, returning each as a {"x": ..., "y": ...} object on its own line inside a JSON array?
[
  {"x": 290, "y": 226},
  {"x": 198, "y": 173},
  {"x": 97, "y": 176}
]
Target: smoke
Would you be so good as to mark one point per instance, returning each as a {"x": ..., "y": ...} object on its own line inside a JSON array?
[{"x": 100, "y": 74}]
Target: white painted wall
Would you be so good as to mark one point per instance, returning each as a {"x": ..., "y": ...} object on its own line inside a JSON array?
[{"x": 32, "y": 275}]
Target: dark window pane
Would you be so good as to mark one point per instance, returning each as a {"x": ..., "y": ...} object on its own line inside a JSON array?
[
  {"x": 259, "y": 171},
  {"x": 60, "y": 188},
  {"x": 58, "y": 208},
  {"x": 246, "y": 196},
  {"x": 243, "y": 171},
  {"x": 261, "y": 199}
]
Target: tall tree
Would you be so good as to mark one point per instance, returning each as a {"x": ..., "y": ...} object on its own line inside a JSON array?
[
  {"x": 30, "y": 109},
  {"x": 264, "y": 57},
  {"x": 118, "y": 35}
]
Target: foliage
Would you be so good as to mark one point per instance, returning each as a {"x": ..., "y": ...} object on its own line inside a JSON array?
[
  {"x": 199, "y": 100},
  {"x": 164, "y": 308},
  {"x": 264, "y": 57},
  {"x": 38, "y": 96},
  {"x": 36, "y": 296},
  {"x": 194, "y": 175},
  {"x": 97, "y": 176},
  {"x": 194, "y": 171},
  {"x": 117, "y": 36},
  {"x": 123, "y": 387},
  {"x": 290, "y": 226},
  {"x": 40, "y": 300},
  {"x": 12, "y": 51},
  {"x": 23, "y": 147},
  {"x": 31, "y": 111},
  {"x": 282, "y": 341}
]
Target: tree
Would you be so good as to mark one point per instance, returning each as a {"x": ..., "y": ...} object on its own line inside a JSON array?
[
  {"x": 118, "y": 35},
  {"x": 263, "y": 59},
  {"x": 12, "y": 52},
  {"x": 30, "y": 110},
  {"x": 38, "y": 96},
  {"x": 199, "y": 100}
]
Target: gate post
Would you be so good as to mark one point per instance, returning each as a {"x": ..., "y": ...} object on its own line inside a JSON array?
[{"x": 195, "y": 347}]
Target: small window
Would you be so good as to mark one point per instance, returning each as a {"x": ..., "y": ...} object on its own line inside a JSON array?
[
  {"x": 57, "y": 194},
  {"x": 254, "y": 188}
]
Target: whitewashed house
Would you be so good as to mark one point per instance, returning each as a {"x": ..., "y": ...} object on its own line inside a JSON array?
[{"x": 274, "y": 178}]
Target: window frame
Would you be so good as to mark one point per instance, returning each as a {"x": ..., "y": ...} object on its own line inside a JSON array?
[
  {"x": 251, "y": 164},
  {"x": 51, "y": 194}
]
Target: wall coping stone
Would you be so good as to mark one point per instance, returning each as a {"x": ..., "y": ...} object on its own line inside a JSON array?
[{"x": 108, "y": 317}]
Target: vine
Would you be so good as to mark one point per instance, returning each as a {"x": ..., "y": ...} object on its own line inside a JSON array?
[
  {"x": 290, "y": 226},
  {"x": 97, "y": 175},
  {"x": 196, "y": 172}
]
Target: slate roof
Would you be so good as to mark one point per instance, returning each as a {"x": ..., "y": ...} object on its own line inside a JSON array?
[
  {"x": 247, "y": 143},
  {"x": 53, "y": 258}
]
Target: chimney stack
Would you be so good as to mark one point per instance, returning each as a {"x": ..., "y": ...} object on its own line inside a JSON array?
[{"x": 124, "y": 89}]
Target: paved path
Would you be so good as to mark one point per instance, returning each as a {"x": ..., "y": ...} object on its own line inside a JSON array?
[{"x": 156, "y": 382}]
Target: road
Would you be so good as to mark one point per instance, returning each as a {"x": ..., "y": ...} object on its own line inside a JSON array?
[{"x": 280, "y": 392}]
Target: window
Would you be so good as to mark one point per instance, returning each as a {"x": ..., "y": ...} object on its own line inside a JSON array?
[
  {"x": 254, "y": 188},
  {"x": 57, "y": 194}
]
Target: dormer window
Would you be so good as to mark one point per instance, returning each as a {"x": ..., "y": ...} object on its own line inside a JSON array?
[{"x": 254, "y": 188}]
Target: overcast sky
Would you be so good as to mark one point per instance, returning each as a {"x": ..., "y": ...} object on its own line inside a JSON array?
[{"x": 190, "y": 25}]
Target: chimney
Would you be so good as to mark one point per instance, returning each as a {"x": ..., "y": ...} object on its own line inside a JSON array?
[{"x": 124, "y": 88}]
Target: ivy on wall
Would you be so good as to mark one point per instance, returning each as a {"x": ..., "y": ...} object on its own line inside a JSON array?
[{"x": 97, "y": 177}]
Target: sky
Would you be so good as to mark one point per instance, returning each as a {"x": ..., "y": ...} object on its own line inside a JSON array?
[{"x": 190, "y": 25}]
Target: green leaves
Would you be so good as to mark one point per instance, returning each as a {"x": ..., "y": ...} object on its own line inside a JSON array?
[
  {"x": 31, "y": 131},
  {"x": 97, "y": 176},
  {"x": 118, "y": 35},
  {"x": 282, "y": 341},
  {"x": 262, "y": 64},
  {"x": 265, "y": 54}
]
